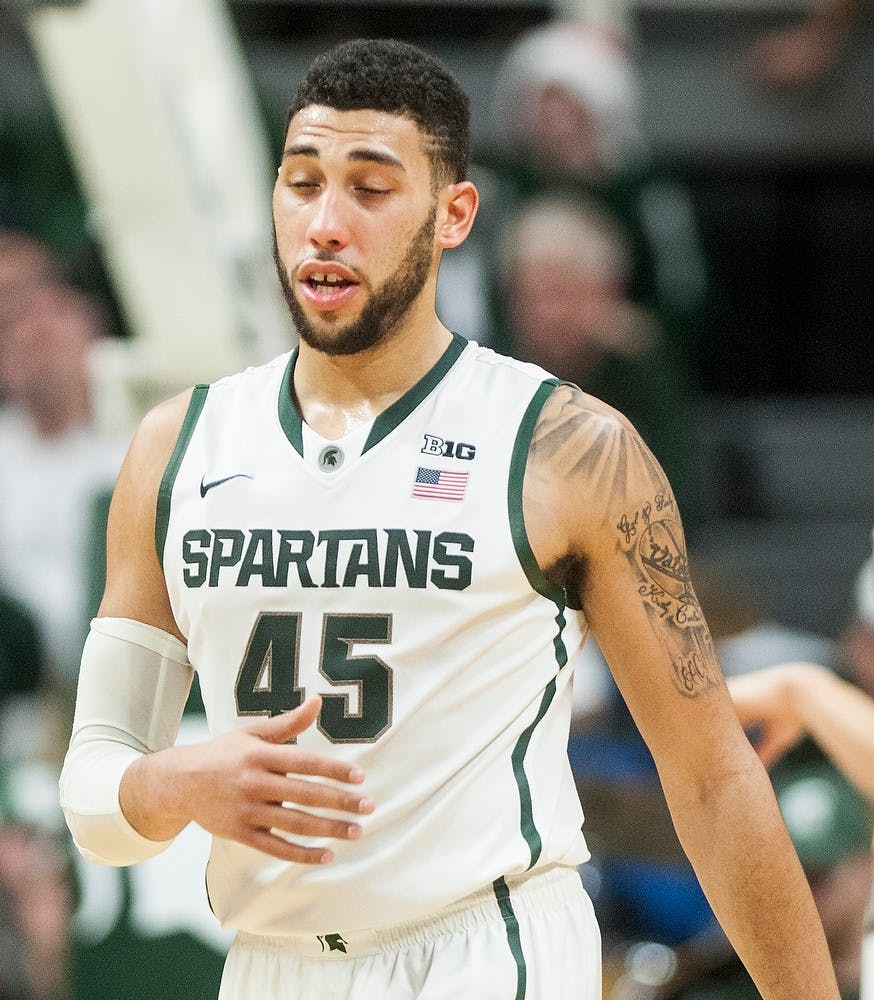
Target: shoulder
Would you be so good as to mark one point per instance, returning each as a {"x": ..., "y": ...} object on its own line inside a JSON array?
[
  {"x": 569, "y": 403},
  {"x": 149, "y": 453},
  {"x": 159, "y": 429},
  {"x": 485, "y": 360},
  {"x": 575, "y": 431},
  {"x": 251, "y": 379},
  {"x": 134, "y": 582},
  {"x": 587, "y": 465}
]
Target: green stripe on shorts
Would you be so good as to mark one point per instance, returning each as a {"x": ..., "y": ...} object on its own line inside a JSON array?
[{"x": 502, "y": 894}]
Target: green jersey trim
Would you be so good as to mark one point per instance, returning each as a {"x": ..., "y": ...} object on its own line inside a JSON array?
[
  {"x": 165, "y": 490},
  {"x": 292, "y": 423},
  {"x": 395, "y": 415},
  {"x": 539, "y": 583},
  {"x": 511, "y": 924},
  {"x": 289, "y": 417},
  {"x": 518, "y": 461},
  {"x": 529, "y": 830}
]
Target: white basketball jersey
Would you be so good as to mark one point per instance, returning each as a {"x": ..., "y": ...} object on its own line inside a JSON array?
[{"x": 389, "y": 572}]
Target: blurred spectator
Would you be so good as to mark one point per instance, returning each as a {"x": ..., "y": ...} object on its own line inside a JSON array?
[
  {"x": 567, "y": 101},
  {"x": 22, "y": 670},
  {"x": 791, "y": 700},
  {"x": 612, "y": 15},
  {"x": 569, "y": 97},
  {"x": 53, "y": 463},
  {"x": 35, "y": 909},
  {"x": 146, "y": 935},
  {"x": 35, "y": 889},
  {"x": 31, "y": 731},
  {"x": 24, "y": 262},
  {"x": 564, "y": 274},
  {"x": 803, "y": 55}
]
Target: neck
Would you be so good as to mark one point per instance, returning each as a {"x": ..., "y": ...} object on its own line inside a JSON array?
[{"x": 337, "y": 393}]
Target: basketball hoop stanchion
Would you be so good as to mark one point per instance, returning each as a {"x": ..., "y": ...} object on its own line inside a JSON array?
[{"x": 156, "y": 104}]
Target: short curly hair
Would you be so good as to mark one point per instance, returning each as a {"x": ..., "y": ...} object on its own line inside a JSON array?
[{"x": 396, "y": 77}]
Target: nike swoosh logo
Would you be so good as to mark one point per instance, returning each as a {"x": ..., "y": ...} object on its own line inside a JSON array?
[{"x": 206, "y": 487}]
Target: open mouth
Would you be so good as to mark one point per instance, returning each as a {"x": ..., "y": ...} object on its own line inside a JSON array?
[
  {"x": 328, "y": 287},
  {"x": 328, "y": 282}
]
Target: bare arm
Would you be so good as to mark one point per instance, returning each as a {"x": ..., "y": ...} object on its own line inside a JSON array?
[
  {"x": 791, "y": 699},
  {"x": 247, "y": 785},
  {"x": 617, "y": 545},
  {"x": 135, "y": 585}
]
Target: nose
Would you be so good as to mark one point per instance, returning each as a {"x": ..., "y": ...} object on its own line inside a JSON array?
[{"x": 328, "y": 227}]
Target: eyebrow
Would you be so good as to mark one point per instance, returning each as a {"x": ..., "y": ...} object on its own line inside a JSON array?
[{"x": 356, "y": 155}]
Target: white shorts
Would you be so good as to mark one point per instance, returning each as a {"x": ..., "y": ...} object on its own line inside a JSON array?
[{"x": 528, "y": 938}]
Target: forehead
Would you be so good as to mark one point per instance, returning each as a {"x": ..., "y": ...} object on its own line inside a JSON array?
[{"x": 339, "y": 133}]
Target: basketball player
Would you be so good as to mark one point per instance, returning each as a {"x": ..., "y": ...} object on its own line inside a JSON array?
[{"x": 380, "y": 553}]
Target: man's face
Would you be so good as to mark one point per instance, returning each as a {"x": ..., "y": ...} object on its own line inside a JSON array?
[
  {"x": 563, "y": 135},
  {"x": 354, "y": 219},
  {"x": 45, "y": 342}
]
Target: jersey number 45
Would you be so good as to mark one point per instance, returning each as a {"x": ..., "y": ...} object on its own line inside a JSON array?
[{"x": 268, "y": 679}]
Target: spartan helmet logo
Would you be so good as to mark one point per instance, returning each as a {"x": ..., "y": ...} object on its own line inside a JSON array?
[
  {"x": 330, "y": 458},
  {"x": 333, "y": 942}
]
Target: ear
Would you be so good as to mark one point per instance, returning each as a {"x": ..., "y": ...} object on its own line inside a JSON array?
[{"x": 458, "y": 204}]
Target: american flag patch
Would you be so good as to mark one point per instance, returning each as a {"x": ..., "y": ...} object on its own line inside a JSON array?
[{"x": 437, "y": 484}]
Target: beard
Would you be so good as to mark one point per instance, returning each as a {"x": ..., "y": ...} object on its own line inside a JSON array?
[{"x": 386, "y": 307}]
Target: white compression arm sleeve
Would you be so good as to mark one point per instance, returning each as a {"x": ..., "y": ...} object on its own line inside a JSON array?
[{"x": 133, "y": 685}]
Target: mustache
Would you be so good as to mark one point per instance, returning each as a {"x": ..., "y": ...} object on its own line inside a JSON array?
[
  {"x": 325, "y": 257},
  {"x": 322, "y": 256}
]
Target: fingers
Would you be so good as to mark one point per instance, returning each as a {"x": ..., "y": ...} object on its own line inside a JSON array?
[
  {"x": 285, "y": 727},
  {"x": 279, "y": 730},
  {"x": 290, "y": 760},
  {"x": 279, "y": 847},
  {"x": 276, "y": 789},
  {"x": 270, "y": 824},
  {"x": 273, "y": 781},
  {"x": 298, "y": 823}
]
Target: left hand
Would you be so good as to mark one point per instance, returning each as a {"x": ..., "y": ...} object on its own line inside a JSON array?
[{"x": 763, "y": 700}]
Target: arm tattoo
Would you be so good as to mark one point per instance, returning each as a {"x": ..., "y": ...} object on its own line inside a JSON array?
[
  {"x": 574, "y": 441},
  {"x": 652, "y": 540}
]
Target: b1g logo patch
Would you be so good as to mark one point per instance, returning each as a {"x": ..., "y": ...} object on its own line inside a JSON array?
[{"x": 448, "y": 449}]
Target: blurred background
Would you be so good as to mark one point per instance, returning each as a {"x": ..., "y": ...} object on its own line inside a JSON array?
[{"x": 677, "y": 214}]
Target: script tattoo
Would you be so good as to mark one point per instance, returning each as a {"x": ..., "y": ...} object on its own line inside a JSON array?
[
  {"x": 694, "y": 667},
  {"x": 654, "y": 542}
]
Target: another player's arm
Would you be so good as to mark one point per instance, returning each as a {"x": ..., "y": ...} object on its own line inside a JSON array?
[
  {"x": 234, "y": 786},
  {"x": 604, "y": 523},
  {"x": 791, "y": 699}
]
